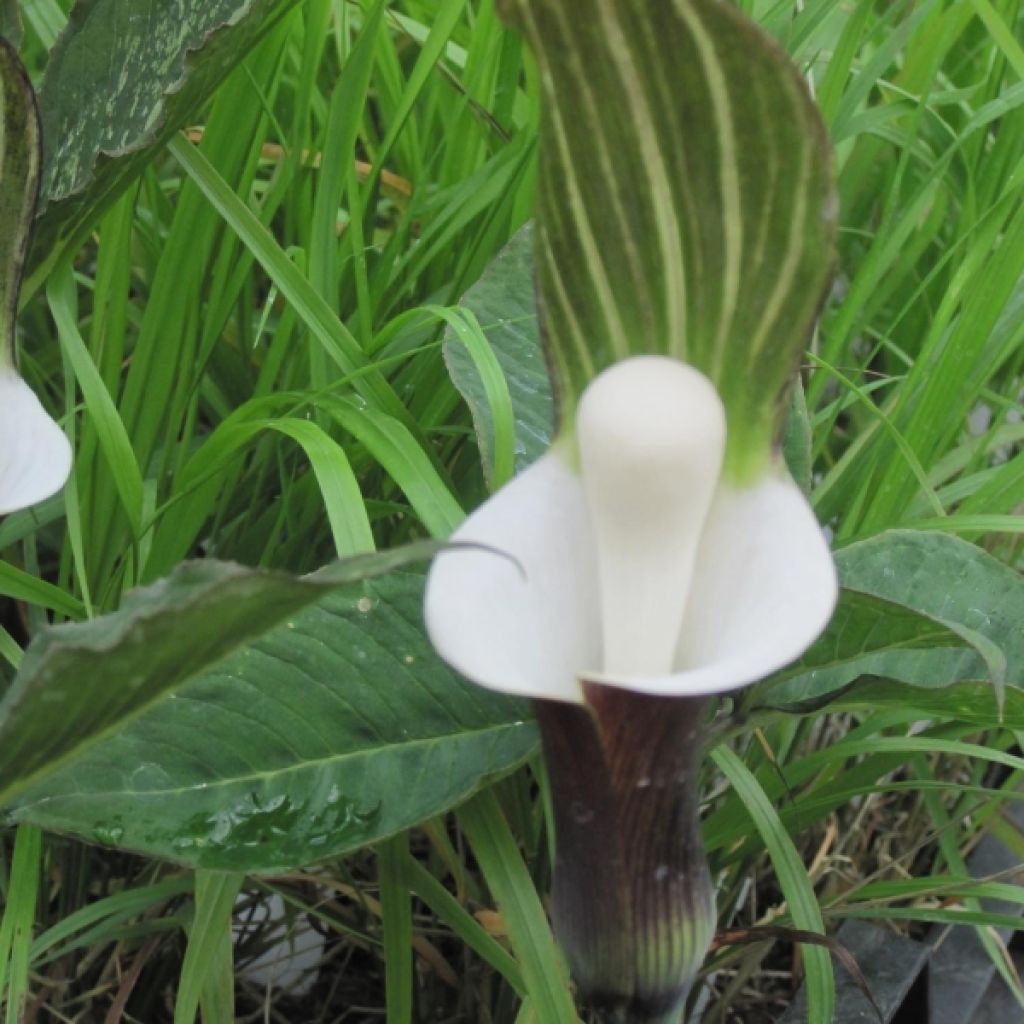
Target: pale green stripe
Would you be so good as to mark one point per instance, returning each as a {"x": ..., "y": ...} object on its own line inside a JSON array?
[
  {"x": 669, "y": 233},
  {"x": 790, "y": 263},
  {"x": 757, "y": 241},
  {"x": 592, "y": 115},
  {"x": 579, "y": 340},
  {"x": 732, "y": 213},
  {"x": 589, "y": 248}
]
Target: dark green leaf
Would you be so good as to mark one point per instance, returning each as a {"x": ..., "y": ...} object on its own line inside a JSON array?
[
  {"x": 334, "y": 730},
  {"x": 80, "y": 681},
  {"x": 19, "y": 183},
  {"x": 924, "y": 609},
  {"x": 122, "y": 78},
  {"x": 871, "y": 637}
]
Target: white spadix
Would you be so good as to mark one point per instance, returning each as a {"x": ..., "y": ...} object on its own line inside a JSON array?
[{"x": 651, "y": 439}]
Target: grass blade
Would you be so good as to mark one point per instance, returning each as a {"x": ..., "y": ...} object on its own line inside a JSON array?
[
  {"x": 215, "y": 894},
  {"x": 544, "y": 974},
  {"x": 314, "y": 311},
  {"x": 19, "y": 919},
  {"x": 793, "y": 878},
  {"x": 392, "y": 855}
]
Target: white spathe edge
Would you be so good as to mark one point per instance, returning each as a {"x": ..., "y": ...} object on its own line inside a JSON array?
[
  {"x": 35, "y": 456},
  {"x": 522, "y": 617}
]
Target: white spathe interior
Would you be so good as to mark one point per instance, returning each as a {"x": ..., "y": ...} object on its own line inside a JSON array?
[
  {"x": 764, "y": 588},
  {"x": 520, "y": 613},
  {"x": 734, "y": 581},
  {"x": 651, "y": 436},
  {"x": 35, "y": 457}
]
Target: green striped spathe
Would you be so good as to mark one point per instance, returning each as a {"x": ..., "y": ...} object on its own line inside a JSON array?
[{"x": 686, "y": 204}]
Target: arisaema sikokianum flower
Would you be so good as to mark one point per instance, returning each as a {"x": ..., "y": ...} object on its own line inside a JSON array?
[
  {"x": 635, "y": 579},
  {"x": 660, "y": 553},
  {"x": 35, "y": 457}
]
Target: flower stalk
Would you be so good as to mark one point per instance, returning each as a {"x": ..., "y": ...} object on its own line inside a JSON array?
[{"x": 632, "y": 904}]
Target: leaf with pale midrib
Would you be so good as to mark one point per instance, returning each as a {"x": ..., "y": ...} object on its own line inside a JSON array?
[
  {"x": 79, "y": 682},
  {"x": 335, "y": 729}
]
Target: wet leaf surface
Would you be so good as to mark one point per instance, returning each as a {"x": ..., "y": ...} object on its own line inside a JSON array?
[{"x": 335, "y": 729}]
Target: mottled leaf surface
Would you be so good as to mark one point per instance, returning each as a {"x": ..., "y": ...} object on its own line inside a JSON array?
[
  {"x": 335, "y": 729},
  {"x": 925, "y": 610},
  {"x": 685, "y": 200},
  {"x": 122, "y": 78},
  {"x": 78, "y": 682},
  {"x": 35, "y": 456},
  {"x": 870, "y": 637}
]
